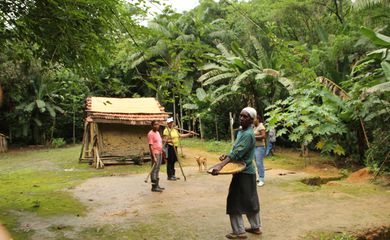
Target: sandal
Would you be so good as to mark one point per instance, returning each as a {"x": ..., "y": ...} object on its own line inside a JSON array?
[
  {"x": 236, "y": 236},
  {"x": 256, "y": 231}
]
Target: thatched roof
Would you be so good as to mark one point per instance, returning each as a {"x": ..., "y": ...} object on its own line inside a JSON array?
[{"x": 131, "y": 111}]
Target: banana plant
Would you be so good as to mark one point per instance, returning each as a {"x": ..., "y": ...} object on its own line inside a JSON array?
[{"x": 36, "y": 108}]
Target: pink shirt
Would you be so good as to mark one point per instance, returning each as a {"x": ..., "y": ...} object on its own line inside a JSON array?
[{"x": 154, "y": 138}]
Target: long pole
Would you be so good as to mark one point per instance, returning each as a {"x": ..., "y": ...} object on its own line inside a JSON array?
[{"x": 181, "y": 129}]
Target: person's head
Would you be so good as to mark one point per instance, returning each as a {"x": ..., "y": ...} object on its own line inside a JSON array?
[
  {"x": 258, "y": 120},
  {"x": 247, "y": 116},
  {"x": 170, "y": 122},
  {"x": 155, "y": 125}
]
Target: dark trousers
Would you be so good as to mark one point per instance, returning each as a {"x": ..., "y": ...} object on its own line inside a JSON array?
[{"x": 172, "y": 158}]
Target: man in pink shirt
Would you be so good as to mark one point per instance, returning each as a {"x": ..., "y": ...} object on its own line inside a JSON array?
[{"x": 155, "y": 148}]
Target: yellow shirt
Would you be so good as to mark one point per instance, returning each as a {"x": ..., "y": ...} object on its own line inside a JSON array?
[{"x": 172, "y": 134}]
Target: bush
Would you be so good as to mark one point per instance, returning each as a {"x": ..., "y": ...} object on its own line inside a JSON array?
[
  {"x": 58, "y": 142},
  {"x": 377, "y": 155}
]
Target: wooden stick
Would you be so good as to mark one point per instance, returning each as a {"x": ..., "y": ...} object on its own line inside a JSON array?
[
  {"x": 150, "y": 172},
  {"x": 181, "y": 129}
]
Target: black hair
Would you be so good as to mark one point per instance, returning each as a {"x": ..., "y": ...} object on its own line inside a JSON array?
[
  {"x": 153, "y": 122},
  {"x": 260, "y": 118}
]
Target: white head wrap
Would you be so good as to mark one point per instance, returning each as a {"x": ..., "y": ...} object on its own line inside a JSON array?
[
  {"x": 251, "y": 111},
  {"x": 169, "y": 120}
]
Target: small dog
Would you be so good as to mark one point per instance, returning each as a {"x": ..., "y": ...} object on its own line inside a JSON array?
[{"x": 202, "y": 161}]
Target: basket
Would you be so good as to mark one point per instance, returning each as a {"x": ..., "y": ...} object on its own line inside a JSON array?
[{"x": 231, "y": 167}]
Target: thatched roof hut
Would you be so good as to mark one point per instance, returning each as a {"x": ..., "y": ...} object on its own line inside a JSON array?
[{"x": 116, "y": 129}]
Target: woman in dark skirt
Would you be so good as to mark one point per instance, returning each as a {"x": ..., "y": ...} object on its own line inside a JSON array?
[{"x": 243, "y": 198}]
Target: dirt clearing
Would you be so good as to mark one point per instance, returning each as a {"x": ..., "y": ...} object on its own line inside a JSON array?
[{"x": 123, "y": 207}]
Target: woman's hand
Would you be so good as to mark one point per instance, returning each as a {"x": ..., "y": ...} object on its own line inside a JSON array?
[
  {"x": 222, "y": 157},
  {"x": 216, "y": 169}
]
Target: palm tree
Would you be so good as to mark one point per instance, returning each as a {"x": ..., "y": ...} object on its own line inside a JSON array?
[{"x": 234, "y": 72}]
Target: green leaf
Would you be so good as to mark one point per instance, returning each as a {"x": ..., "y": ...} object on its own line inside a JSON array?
[
  {"x": 383, "y": 87},
  {"x": 201, "y": 94},
  {"x": 51, "y": 111},
  {"x": 376, "y": 38},
  {"x": 386, "y": 69},
  {"x": 41, "y": 104},
  {"x": 37, "y": 122},
  {"x": 339, "y": 150},
  {"x": 190, "y": 106},
  {"x": 281, "y": 132},
  {"x": 293, "y": 137},
  {"x": 219, "y": 78},
  {"x": 320, "y": 144},
  {"x": 308, "y": 138},
  {"x": 150, "y": 85},
  {"x": 29, "y": 107}
]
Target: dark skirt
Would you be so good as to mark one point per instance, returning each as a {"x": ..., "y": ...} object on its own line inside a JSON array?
[{"x": 243, "y": 198}]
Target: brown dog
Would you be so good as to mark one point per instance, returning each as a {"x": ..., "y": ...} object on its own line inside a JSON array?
[{"x": 202, "y": 161}]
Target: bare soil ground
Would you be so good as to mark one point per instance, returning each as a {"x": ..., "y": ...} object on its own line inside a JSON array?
[{"x": 195, "y": 209}]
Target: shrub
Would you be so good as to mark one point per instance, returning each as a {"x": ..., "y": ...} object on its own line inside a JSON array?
[{"x": 58, "y": 142}]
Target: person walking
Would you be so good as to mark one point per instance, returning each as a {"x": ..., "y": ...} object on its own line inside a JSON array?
[
  {"x": 242, "y": 197},
  {"x": 155, "y": 148},
  {"x": 260, "y": 136},
  {"x": 271, "y": 142},
  {"x": 171, "y": 138}
]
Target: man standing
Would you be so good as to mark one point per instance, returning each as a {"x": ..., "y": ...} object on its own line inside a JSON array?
[
  {"x": 242, "y": 197},
  {"x": 155, "y": 148},
  {"x": 171, "y": 138}
]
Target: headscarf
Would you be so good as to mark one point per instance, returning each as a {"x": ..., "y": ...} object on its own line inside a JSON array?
[
  {"x": 251, "y": 111},
  {"x": 169, "y": 120}
]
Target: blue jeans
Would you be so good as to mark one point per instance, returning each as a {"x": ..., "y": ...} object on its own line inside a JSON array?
[{"x": 259, "y": 156}]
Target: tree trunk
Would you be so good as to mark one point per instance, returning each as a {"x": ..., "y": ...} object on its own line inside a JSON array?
[
  {"x": 216, "y": 128},
  {"x": 74, "y": 126}
]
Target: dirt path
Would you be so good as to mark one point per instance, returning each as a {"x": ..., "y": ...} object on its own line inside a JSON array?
[{"x": 195, "y": 209}]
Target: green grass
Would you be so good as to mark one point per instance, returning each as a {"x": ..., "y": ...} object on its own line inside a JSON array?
[
  {"x": 35, "y": 180},
  {"x": 220, "y": 147}
]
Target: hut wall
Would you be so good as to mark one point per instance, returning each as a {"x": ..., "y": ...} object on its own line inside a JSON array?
[{"x": 123, "y": 140}]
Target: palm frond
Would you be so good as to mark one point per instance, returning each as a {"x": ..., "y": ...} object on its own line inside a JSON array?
[
  {"x": 219, "y": 77},
  {"x": 160, "y": 49},
  {"x": 261, "y": 56},
  {"x": 225, "y": 52},
  {"x": 138, "y": 61},
  {"x": 333, "y": 87},
  {"x": 363, "y": 4},
  {"x": 209, "y": 74},
  {"x": 271, "y": 72},
  {"x": 220, "y": 97},
  {"x": 383, "y": 87},
  {"x": 237, "y": 81},
  {"x": 186, "y": 38},
  {"x": 160, "y": 29},
  {"x": 211, "y": 66}
]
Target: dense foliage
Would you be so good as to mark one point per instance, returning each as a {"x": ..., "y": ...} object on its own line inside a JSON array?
[{"x": 318, "y": 71}]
